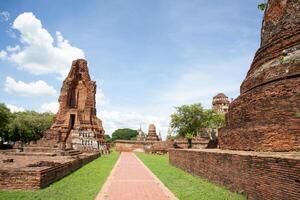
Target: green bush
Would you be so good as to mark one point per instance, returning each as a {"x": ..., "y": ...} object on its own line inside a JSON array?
[{"x": 124, "y": 134}]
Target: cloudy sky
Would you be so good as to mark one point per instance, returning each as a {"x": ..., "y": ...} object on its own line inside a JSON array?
[{"x": 146, "y": 56}]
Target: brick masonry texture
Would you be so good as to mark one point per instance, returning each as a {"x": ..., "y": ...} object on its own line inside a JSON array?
[
  {"x": 76, "y": 122},
  {"x": 40, "y": 177},
  {"x": 264, "y": 116},
  {"x": 267, "y": 176},
  {"x": 157, "y": 146}
]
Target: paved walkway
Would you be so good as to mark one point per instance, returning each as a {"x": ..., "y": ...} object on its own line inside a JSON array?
[{"x": 130, "y": 179}]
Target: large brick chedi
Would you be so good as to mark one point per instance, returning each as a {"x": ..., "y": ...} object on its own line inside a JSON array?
[
  {"x": 265, "y": 117},
  {"x": 76, "y": 124}
]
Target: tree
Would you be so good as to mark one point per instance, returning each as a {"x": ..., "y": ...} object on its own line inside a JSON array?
[
  {"x": 124, "y": 134},
  {"x": 214, "y": 119},
  {"x": 107, "y": 138},
  {"x": 29, "y": 125},
  {"x": 4, "y": 120},
  {"x": 189, "y": 119}
]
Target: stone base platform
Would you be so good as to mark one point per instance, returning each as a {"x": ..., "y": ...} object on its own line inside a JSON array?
[
  {"x": 38, "y": 171},
  {"x": 259, "y": 175}
]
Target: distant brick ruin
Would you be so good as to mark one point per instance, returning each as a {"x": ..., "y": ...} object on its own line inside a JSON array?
[
  {"x": 264, "y": 116},
  {"x": 152, "y": 136},
  {"x": 76, "y": 124},
  {"x": 220, "y": 103}
]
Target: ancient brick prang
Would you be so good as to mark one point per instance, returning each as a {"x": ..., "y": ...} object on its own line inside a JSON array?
[
  {"x": 220, "y": 103},
  {"x": 152, "y": 136},
  {"x": 76, "y": 122},
  {"x": 264, "y": 116}
]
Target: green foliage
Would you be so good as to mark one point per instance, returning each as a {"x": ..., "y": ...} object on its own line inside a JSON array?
[
  {"x": 91, "y": 177},
  {"x": 107, "y": 138},
  {"x": 29, "y": 125},
  {"x": 183, "y": 185},
  {"x": 188, "y": 119},
  {"x": 191, "y": 118},
  {"x": 262, "y": 6},
  {"x": 5, "y": 116},
  {"x": 189, "y": 136},
  {"x": 297, "y": 115},
  {"x": 214, "y": 119},
  {"x": 24, "y": 126},
  {"x": 124, "y": 134}
]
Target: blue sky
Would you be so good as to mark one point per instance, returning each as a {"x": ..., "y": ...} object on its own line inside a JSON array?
[{"x": 146, "y": 56}]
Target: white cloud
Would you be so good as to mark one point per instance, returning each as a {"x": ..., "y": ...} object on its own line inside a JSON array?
[
  {"x": 28, "y": 89},
  {"x": 100, "y": 98},
  {"x": 13, "y": 49},
  {"x": 3, "y": 54},
  {"x": 4, "y": 16},
  {"x": 50, "y": 107},
  {"x": 13, "y": 108},
  {"x": 194, "y": 87},
  {"x": 39, "y": 52}
]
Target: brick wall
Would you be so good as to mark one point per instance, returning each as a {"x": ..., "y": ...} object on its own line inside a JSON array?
[
  {"x": 35, "y": 179},
  {"x": 258, "y": 175},
  {"x": 128, "y": 145}
]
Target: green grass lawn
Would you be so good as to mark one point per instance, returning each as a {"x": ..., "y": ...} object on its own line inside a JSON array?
[
  {"x": 83, "y": 184},
  {"x": 184, "y": 185}
]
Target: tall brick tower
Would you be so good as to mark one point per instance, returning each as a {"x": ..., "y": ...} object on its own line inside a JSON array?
[
  {"x": 152, "y": 136},
  {"x": 76, "y": 123},
  {"x": 265, "y": 115}
]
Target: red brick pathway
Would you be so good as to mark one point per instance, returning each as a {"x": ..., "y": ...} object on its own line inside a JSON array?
[{"x": 130, "y": 179}]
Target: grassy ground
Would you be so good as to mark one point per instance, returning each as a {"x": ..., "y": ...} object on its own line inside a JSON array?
[
  {"x": 184, "y": 185},
  {"x": 85, "y": 183}
]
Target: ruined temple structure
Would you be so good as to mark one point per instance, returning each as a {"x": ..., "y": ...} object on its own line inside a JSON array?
[
  {"x": 76, "y": 124},
  {"x": 152, "y": 136},
  {"x": 220, "y": 103},
  {"x": 265, "y": 117},
  {"x": 141, "y": 135}
]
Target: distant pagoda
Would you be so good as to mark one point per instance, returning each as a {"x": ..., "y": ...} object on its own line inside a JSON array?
[
  {"x": 220, "y": 103},
  {"x": 152, "y": 136}
]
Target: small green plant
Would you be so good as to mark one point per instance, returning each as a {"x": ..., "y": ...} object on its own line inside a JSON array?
[
  {"x": 297, "y": 115},
  {"x": 281, "y": 59},
  {"x": 189, "y": 137},
  {"x": 262, "y": 6}
]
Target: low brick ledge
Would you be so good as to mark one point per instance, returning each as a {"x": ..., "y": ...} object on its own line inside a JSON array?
[
  {"x": 32, "y": 179},
  {"x": 258, "y": 175}
]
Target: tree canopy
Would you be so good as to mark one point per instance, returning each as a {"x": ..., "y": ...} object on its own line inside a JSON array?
[
  {"x": 124, "y": 134},
  {"x": 24, "y": 126},
  {"x": 189, "y": 119},
  {"x": 4, "y": 119}
]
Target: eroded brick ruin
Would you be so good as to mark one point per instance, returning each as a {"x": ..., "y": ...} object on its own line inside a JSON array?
[
  {"x": 152, "y": 136},
  {"x": 264, "y": 116},
  {"x": 263, "y": 120},
  {"x": 220, "y": 103},
  {"x": 72, "y": 141},
  {"x": 76, "y": 124}
]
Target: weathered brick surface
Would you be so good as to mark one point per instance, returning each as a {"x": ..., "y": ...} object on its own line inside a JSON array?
[
  {"x": 263, "y": 117},
  {"x": 127, "y": 145},
  {"x": 76, "y": 122},
  {"x": 152, "y": 136},
  {"x": 39, "y": 177},
  {"x": 265, "y": 176}
]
